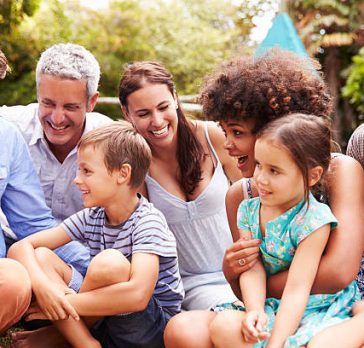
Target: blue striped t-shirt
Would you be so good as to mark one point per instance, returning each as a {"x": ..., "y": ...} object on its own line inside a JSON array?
[{"x": 145, "y": 231}]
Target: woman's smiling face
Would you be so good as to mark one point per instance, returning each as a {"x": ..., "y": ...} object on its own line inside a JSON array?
[
  {"x": 240, "y": 142},
  {"x": 152, "y": 110}
]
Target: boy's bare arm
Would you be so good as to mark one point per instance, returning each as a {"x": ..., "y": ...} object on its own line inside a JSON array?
[
  {"x": 51, "y": 299},
  {"x": 131, "y": 296}
]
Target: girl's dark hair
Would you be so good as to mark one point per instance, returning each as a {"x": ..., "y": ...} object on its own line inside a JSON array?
[
  {"x": 308, "y": 140},
  {"x": 265, "y": 88},
  {"x": 190, "y": 152}
]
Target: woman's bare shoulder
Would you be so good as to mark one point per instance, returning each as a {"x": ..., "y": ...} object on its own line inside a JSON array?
[
  {"x": 235, "y": 193},
  {"x": 344, "y": 168}
]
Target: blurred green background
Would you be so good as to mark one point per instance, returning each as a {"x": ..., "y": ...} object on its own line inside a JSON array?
[{"x": 190, "y": 37}]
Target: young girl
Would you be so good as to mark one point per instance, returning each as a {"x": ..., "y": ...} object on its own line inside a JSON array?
[{"x": 292, "y": 153}]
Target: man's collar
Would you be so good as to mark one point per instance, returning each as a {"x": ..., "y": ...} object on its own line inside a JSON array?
[
  {"x": 88, "y": 124},
  {"x": 38, "y": 130}
]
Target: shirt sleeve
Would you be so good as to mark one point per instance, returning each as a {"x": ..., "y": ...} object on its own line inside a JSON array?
[
  {"x": 243, "y": 216},
  {"x": 22, "y": 198},
  {"x": 356, "y": 145},
  {"x": 307, "y": 222},
  {"x": 75, "y": 225},
  {"x": 152, "y": 235}
]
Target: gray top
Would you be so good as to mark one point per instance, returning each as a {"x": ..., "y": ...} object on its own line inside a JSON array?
[{"x": 200, "y": 227}]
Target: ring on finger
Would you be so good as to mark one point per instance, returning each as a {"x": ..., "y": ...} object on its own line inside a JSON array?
[{"x": 242, "y": 262}]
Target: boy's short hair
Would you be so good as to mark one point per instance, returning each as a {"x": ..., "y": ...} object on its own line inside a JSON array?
[{"x": 121, "y": 144}]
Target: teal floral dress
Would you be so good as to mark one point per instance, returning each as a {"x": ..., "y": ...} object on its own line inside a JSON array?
[{"x": 282, "y": 237}]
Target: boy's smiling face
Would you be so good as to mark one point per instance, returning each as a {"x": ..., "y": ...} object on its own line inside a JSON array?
[{"x": 96, "y": 184}]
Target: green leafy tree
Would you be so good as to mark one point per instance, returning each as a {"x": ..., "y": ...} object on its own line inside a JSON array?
[
  {"x": 354, "y": 88},
  {"x": 332, "y": 31},
  {"x": 12, "y": 12},
  {"x": 189, "y": 37}
]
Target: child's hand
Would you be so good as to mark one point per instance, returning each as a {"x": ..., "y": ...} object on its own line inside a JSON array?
[
  {"x": 253, "y": 326},
  {"x": 53, "y": 302}
]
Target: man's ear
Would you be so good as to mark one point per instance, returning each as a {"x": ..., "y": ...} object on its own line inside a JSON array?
[
  {"x": 314, "y": 175},
  {"x": 124, "y": 174},
  {"x": 92, "y": 102}
]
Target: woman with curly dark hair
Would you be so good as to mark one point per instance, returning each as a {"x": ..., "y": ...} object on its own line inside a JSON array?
[{"x": 244, "y": 95}]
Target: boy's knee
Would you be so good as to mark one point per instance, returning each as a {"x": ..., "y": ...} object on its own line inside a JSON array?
[
  {"x": 109, "y": 265},
  {"x": 43, "y": 255}
]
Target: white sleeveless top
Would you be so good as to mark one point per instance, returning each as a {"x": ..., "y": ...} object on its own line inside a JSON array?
[{"x": 200, "y": 227}]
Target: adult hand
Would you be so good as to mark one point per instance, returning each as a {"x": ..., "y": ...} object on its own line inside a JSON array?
[
  {"x": 34, "y": 312},
  {"x": 253, "y": 326},
  {"x": 53, "y": 303},
  {"x": 240, "y": 257}
]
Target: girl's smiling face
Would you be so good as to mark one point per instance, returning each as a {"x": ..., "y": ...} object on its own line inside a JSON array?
[
  {"x": 278, "y": 179},
  {"x": 240, "y": 142}
]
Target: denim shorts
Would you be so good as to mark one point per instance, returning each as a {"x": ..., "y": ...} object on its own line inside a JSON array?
[
  {"x": 133, "y": 330},
  {"x": 76, "y": 279}
]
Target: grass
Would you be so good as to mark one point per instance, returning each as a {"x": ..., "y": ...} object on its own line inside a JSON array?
[{"x": 5, "y": 340}]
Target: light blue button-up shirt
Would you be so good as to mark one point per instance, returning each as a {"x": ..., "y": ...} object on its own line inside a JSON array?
[
  {"x": 56, "y": 179},
  {"x": 22, "y": 199}
]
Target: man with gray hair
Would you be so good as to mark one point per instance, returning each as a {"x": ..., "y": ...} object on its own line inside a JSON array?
[{"x": 67, "y": 78}]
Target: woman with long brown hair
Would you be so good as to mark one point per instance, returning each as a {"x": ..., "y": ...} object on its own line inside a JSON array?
[{"x": 188, "y": 179}]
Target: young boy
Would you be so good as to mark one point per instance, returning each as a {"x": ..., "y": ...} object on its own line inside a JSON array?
[{"x": 132, "y": 286}]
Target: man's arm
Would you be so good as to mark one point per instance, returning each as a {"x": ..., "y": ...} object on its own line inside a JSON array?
[{"x": 22, "y": 200}]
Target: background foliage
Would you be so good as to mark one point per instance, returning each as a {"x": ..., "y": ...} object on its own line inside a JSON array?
[
  {"x": 189, "y": 36},
  {"x": 333, "y": 31}
]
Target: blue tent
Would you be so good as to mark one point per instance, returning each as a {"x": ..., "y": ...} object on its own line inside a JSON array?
[{"x": 282, "y": 34}]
